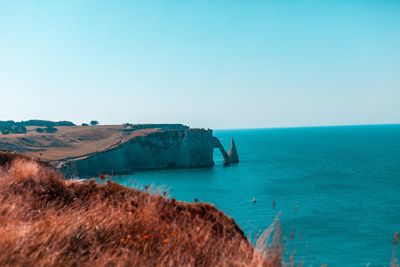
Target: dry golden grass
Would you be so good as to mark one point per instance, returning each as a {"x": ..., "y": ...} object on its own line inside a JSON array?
[
  {"x": 70, "y": 141},
  {"x": 48, "y": 221}
]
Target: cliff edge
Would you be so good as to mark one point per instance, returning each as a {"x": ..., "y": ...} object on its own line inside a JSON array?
[
  {"x": 117, "y": 149},
  {"x": 162, "y": 149},
  {"x": 47, "y": 220}
]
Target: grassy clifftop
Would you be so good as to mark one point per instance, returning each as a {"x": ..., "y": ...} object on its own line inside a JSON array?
[{"x": 48, "y": 221}]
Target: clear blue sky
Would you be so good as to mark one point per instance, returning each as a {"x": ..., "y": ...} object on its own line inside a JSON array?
[{"x": 217, "y": 64}]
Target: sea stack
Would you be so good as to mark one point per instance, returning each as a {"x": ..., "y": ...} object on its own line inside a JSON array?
[{"x": 232, "y": 153}]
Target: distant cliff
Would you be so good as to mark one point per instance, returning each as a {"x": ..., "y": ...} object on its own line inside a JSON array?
[
  {"x": 106, "y": 149},
  {"x": 166, "y": 149}
]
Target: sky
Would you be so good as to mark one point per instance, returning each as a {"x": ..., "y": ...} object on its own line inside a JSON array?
[{"x": 213, "y": 64}]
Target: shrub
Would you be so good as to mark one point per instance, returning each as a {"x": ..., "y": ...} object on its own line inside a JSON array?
[
  {"x": 44, "y": 123},
  {"x": 12, "y": 128},
  {"x": 128, "y": 126},
  {"x": 5, "y": 131},
  {"x": 50, "y": 129}
]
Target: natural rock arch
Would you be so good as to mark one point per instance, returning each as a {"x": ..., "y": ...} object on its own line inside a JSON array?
[{"x": 231, "y": 156}]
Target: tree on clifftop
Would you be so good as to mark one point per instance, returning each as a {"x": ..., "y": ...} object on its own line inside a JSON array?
[{"x": 94, "y": 123}]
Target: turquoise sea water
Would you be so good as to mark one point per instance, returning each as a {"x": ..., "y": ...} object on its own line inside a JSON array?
[{"x": 339, "y": 187}]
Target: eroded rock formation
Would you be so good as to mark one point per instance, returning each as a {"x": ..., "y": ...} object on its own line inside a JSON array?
[
  {"x": 167, "y": 149},
  {"x": 232, "y": 154},
  {"x": 218, "y": 145},
  {"x": 113, "y": 149}
]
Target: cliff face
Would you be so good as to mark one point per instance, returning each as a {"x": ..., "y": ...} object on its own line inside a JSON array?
[{"x": 181, "y": 148}]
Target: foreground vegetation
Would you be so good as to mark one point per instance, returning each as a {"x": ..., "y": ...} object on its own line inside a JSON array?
[{"x": 48, "y": 221}]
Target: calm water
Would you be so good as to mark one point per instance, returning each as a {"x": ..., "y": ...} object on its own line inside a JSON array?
[{"x": 344, "y": 183}]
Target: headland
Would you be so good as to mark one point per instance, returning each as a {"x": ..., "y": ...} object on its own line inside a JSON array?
[{"x": 84, "y": 151}]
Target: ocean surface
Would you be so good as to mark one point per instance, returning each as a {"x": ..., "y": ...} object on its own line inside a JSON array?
[{"x": 338, "y": 187}]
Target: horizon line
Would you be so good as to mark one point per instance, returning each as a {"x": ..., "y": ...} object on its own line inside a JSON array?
[{"x": 309, "y": 126}]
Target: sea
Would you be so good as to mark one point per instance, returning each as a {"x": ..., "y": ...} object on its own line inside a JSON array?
[{"x": 335, "y": 190}]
